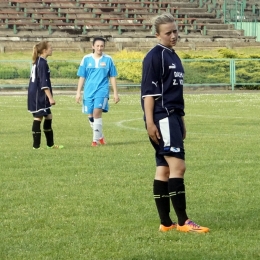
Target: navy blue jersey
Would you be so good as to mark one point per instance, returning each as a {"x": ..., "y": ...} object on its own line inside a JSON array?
[
  {"x": 39, "y": 80},
  {"x": 162, "y": 78}
]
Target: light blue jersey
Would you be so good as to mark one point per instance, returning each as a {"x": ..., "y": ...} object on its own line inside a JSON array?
[{"x": 96, "y": 73}]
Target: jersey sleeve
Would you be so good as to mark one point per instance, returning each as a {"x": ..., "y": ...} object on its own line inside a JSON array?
[
  {"x": 112, "y": 69},
  {"x": 82, "y": 69},
  {"x": 151, "y": 76},
  {"x": 43, "y": 70}
]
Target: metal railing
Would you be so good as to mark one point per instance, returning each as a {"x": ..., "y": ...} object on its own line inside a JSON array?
[{"x": 231, "y": 73}]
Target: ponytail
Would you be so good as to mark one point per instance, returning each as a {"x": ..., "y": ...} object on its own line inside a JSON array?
[{"x": 38, "y": 49}]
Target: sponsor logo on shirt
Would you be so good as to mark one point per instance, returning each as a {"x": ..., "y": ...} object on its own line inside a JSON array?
[
  {"x": 173, "y": 66},
  {"x": 174, "y": 82},
  {"x": 175, "y": 149},
  {"x": 178, "y": 74}
]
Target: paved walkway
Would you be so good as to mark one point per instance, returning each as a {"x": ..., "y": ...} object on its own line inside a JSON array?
[{"x": 186, "y": 91}]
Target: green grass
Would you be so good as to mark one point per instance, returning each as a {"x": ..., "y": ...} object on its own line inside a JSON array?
[{"x": 97, "y": 203}]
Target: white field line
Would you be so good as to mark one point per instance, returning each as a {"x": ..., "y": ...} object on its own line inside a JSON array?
[{"x": 121, "y": 124}]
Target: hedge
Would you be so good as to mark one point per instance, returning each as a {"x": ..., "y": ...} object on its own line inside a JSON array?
[{"x": 129, "y": 67}]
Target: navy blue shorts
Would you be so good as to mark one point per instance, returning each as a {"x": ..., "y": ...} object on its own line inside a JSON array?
[
  {"x": 171, "y": 130},
  {"x": 41, "y": 113}
]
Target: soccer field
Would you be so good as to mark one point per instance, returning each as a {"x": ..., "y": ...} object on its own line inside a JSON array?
[{"x": 96, "y": 203}]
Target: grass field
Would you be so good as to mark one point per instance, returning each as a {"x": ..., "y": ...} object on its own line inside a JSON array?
[{"x": 97, "y": 203}]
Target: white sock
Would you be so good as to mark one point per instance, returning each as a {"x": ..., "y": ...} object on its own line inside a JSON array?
[{"x": 97, "y": 129}]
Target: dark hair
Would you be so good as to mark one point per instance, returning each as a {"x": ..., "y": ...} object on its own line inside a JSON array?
[{"x": 98, "y": 39}]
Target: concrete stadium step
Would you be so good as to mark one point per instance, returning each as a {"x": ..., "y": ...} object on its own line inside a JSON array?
[
  {"x": 211, "y": 26},
  {"x": 198, "y": 15},
  {"x": 209, "y": 20},
  {"x": 225, "y": 32},
  {"x": 192, "y": 10},
  {"x": 182, "y": 4}
]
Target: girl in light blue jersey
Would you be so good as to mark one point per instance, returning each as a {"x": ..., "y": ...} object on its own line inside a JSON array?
[{"x": 94, "y": 73}]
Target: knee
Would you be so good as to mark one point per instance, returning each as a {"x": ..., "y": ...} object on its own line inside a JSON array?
[
  {"x": 162, "y": 173},
  {"x": 178, "y": 170},
  {"x": 181, "y": 170}
]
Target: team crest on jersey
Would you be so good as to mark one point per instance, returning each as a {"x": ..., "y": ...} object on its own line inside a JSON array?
[
  {"x": 103, "y": 64},
  {"x": 89, "y": 65},
  {"x": 173, "y": 66},
  {"x": 175, "y": 149}
]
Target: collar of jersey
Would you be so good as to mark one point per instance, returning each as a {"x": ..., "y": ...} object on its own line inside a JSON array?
[
  {"x": 172, "y": 50},
  {"x": 92, "y": 54}
]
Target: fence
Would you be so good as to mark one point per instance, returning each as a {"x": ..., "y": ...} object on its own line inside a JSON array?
[
  {"x": 244, "y": 15},
  {"x": 230, "y": 73}
]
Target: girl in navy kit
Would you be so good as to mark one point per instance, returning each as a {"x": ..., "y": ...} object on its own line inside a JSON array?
[
  {"x": 163, "y": 105},
  {"x": 40, "y": 96}
]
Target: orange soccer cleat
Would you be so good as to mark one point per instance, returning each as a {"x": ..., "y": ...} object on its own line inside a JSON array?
[{"x": 190, "y": 226}]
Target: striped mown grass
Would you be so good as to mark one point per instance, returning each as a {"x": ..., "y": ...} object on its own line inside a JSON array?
[{"x": 96, "y": 203}]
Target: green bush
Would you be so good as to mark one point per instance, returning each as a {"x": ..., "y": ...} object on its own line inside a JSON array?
[
  {"x": 129, "y": 65},
  {"x": 63, "y": 69},
  {"x": 228, "y": 54},
  {"x": 199, "y": 69},
  {"x": 8, "y": 73},
  {"x": 68, "y": 72},
  {"x": 54, "y": 72},
  {"x": 23, "y": 73},
  {"x": 205, "y": 72}
]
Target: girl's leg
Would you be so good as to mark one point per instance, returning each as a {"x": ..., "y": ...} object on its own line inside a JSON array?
[
  {"x": 91, "y": 120},
  {"x": 36, "y": 132},
  {"x": 161, "y": 195},
  {"x": 177, "y": 187},
  {"x": 47, "y": 128},
  {"x": 97, "y": 125}
]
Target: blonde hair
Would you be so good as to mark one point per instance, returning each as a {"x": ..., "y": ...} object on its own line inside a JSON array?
[
  {"x": 162, "y": 19},
  {"x": 38, "y": 50}
]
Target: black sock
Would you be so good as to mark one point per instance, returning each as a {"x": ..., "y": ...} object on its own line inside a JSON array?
[
  {"x": 178, "y": 198},
  {"x": 162, "y": 201},
  {"x": 36, "y": 133},
  {"x": 48, "y": 132}
]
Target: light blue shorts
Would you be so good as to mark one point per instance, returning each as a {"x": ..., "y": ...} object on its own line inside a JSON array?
[{"x": 92, "y": 103}]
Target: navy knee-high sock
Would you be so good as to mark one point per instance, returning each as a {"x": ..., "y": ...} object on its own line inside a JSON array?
[
  {"x": 36, "y": 133},
  {"x": 162, "y": 201},
  {"x": 48, "y": 132},
  {"x": 178, "y": 198}
]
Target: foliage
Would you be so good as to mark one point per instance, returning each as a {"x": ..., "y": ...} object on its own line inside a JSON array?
[
  {"x": 8, "y": 72},
  {"x": 254, "y": 56},
  {"x": 64, "y": 69},
  {"x": 206, "y": 72},
  {"x": 200, "y": 68},
  {"x": 228, "y": 54},
  {"x": 129, "y": 65},
  {"x": 23, "y": 73}
]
